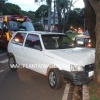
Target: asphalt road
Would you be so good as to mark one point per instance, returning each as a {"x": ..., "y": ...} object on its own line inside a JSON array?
[{"x": 25, "y": 84}]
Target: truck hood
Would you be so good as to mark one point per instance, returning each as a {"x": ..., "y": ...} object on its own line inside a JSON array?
[{"x": 79, "y": 56}]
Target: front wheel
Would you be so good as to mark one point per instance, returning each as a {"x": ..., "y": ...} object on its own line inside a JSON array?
[
  {"x": 12, "y": 63},
  {"x": 55, "y": 78}
]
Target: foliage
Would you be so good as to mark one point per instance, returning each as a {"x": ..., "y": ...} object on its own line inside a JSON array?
[
  {"x": 93, "y": 87},
  {"x": 62, "y": 10},
  {"x": 12, "y": 9},
  {"x": 76, "y": 18},
  {"x": 2, "y": 6},
  {"x": 49, "y": 2},
  {"x": 41, "y": 11},
  {"x": 38, "y": 27}
]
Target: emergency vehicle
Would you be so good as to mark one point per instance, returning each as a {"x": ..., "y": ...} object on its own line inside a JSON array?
[{"x": 11, "y": 23}]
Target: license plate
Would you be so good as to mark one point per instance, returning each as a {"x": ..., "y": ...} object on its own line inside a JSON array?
[{"x": 90, "y": 74}]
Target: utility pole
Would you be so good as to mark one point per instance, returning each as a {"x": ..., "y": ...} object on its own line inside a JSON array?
[
  {"x": 54, "y": 13},
  {"x": 64, "y": 18},
  {"x": 49, "y": 15}
]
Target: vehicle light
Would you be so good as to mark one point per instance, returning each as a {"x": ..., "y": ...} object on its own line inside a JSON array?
[
  {"x": 20, "y": 19},
  {"x": 89, "y": 45},
  {"x": 89, "y": 41},
  {"x": 80, "y": 42},
  {"x": 76, "y": 68},
  {"x": 16, "y": 39}
]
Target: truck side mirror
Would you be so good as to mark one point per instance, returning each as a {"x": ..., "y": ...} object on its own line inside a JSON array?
[{"x": 5, "y": 27}]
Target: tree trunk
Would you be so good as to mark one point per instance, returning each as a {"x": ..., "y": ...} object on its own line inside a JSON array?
[
  {"x": 90, "y": 21},
  {"x": 64, "y": 18},
  {"x": 59, "y": 17},
  {"x": 97, "y": 60},
  {"x": 96, "y": 6},
  {"x": 54, "y": 14}
]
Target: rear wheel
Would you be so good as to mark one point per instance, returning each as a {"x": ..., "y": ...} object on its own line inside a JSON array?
[
  {"x": 12, "y": 63},
  {"x": 55, "y": 78}
]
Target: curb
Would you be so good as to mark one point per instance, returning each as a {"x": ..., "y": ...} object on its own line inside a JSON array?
[{"x": 85, "y": 93}]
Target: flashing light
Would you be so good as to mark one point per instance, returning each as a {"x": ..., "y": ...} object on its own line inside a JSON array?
[
  {"x": 18, "y": 18},
  {"x": 5, "y": 18}
]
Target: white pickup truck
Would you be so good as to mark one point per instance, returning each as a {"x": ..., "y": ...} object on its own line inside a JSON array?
[{"x": 53, "y": 55}]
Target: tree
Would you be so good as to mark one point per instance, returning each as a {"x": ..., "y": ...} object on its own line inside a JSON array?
[
  {"x": 63, "y": 10},
  {"x": 2, "y": 6},
  {"x": 49, "y": 2},
  {"x": 62, "y": 7},
  {"x": 76, "y": 19},
  {"x": 12, "y": 9},
  {"x": 96, "y": 6},
  {"x": 90, "y": 21},
  {"x": 41, "y": 11}
]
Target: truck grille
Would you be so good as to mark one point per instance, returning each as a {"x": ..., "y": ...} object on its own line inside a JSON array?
[{"x": 89, "y": 68}]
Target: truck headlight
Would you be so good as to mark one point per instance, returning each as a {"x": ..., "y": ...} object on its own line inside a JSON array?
[
  {"x": 89, "y": 40},
  {"x": 76, "y": 68}
]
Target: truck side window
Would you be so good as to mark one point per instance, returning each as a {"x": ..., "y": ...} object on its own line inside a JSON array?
[
  {"x": 19, "y": 38},
  {"x": 33, "y": 41}
]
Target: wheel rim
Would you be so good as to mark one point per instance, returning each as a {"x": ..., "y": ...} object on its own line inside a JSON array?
[
  {"x": 11, "y": 61},
  {"x": 52, "y": 78}
]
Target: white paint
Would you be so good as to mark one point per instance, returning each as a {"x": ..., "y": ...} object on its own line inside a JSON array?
[
  {"x": 85, "y": 93},
  {"x": 4, "y": 61},
  {"x": 66, "y": 91}
]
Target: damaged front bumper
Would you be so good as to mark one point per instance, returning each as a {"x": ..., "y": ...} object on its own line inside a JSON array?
[{"x": 77, "y": 78}]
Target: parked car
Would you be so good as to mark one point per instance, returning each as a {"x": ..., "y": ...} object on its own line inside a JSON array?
[
  {"x": 53, "y": 55},
  {"x": 83, "y": 40}
]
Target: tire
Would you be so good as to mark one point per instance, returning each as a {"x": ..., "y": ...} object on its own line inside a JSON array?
[
  {"x": 55, "y": 78},
  {"x": 12, "y": 62}
]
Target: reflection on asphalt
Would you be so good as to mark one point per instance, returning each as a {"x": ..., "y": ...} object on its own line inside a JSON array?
[{"x": 25, "y": 84}]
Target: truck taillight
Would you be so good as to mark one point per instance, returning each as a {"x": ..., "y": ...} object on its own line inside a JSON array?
[{"x": 88, "y": 44}]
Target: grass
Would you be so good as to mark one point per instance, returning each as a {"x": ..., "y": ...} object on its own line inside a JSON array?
[{"x": 93, "y": 91}]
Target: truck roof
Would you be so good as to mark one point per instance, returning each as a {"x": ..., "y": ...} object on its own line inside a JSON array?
[{"x": 14, "y": 17}]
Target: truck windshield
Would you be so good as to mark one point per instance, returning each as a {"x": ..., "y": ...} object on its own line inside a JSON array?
[
  {"x": 17, "y": 26},
  {"x": 57, "y": 41}
]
